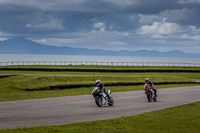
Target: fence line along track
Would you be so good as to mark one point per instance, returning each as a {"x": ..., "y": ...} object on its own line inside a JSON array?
[{"x": 62, "y": 63}]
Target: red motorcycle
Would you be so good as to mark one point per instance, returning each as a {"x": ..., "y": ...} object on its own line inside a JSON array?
[{"x": 150, "y": 93}]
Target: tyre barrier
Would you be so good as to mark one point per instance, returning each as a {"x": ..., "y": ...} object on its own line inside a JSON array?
[{"x": 98, "y": 70}]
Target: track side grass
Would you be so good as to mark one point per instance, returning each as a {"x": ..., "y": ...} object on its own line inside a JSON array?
[
  {"x": 147, "y": 74},
  {"x": 180, "y": 119},
  {"x": 12, "y": 88},
  {"x": 16, "y": 94},
  {"x": 35, "y": 81}
]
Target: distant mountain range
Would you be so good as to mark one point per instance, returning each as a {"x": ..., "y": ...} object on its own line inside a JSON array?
[{"x": 21, "y": 45}]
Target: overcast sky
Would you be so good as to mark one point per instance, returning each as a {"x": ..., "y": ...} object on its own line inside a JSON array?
[{"x": 161, "y": 25}]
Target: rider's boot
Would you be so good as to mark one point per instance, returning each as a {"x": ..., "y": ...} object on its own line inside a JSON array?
[
  {"x": 152, "y": 93},
  {"x": 108, "y": 96},
  {"x": 155, "y": 92}
]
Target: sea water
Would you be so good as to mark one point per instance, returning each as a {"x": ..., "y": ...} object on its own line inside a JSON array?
[{"x": 84, "y": 58}]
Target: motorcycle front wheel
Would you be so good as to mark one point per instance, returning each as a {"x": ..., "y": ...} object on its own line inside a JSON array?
[
  {"x": 149, "y": 97},
  {"x": 98, "y": 101}
]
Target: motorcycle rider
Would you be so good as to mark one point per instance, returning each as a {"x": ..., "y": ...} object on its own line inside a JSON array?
[
  {"x": 99, "y": 84},
  {"x": 148, "y": 81}
]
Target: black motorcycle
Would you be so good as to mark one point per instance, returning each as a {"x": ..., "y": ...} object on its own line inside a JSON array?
[{"x": 101, "y": 98}]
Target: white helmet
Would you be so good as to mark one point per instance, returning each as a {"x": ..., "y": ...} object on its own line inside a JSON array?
[
  {"x": 147, "y": 80},
  {"x": 98, "y": 81}
]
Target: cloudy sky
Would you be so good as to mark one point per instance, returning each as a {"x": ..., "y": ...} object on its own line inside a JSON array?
[{"x": 161, "y": 25}]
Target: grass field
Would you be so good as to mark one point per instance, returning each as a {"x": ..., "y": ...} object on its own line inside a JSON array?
[
  {"x": 181, "y": 119},
  {"x": 13, "y": 88}
]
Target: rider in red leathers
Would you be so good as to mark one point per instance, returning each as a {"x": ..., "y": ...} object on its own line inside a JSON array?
[{"x": 147, "y": 81}]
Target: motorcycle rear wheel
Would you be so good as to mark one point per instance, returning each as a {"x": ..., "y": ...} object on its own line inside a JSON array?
[{"x": 111, "y": 101}]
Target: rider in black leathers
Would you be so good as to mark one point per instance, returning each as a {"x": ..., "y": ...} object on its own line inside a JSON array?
[
  {"x": 147, "y": 81},
  {"x": 99, "y": 84}
]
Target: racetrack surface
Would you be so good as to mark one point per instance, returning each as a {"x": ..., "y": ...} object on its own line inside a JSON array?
[{"x": 70, "y": 109}]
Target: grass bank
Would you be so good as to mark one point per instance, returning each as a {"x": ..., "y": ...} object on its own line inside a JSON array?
[
  {"x": 16, "y": 94},
  {"x": 13, "y": 88},
  {"x": 181, "y": 119}
]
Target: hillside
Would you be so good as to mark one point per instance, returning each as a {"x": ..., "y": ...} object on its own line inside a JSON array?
[{"x": 21, "y": 45}]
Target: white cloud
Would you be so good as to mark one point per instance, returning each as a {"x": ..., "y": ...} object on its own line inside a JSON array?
[
  {"x": 125, "y": 34},
  {"x": 164, "y": 28},
  {"x": 186, "y": 36},
  {"x": 145, "y": 19},
  {"x": 43, "y": 40},
  {"x": 159, "y": 36},
  {"x": 189, "y": 1},
  {"x": 52, "y": 24},
  {"x": 99, "y": 27},
  {"x": 3, "y": 34},
  {"x": 57, "y": 41},
  {"x": 119, "y": 43},
  {"x": 123, "y": 2},
  {"x": 3, "y": 38},
  {"x": 28, "y": 25},
  {"x": 47, "y": 4},
  {"x": 193, "y": 29}
]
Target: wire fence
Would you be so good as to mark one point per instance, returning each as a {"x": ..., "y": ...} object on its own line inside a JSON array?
[{"x": 62, "y": 63}]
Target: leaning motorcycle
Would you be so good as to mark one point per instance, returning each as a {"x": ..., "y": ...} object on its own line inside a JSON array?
[
  {"x": 150, "y": 93},
  {"x": 101, "y": 98}
]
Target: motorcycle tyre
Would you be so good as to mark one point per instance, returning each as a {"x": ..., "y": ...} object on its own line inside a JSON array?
[
  {"x": 149, "y": 97},
  {"x": 98, "y": 101},
  {"x": 155, "y": 99},
  {"x": 111, "y": 101}
]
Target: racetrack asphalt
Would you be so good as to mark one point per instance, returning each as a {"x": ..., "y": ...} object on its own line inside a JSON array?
[{"x": 70, "y": 109}]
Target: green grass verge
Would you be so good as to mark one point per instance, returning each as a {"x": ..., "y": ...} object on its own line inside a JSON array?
[
  {"x": 35, "y": 81},
  {"x": 12, "y": 88},
  {"x": 17, "y": 94},
  {"x": 180, "y": 119}
]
